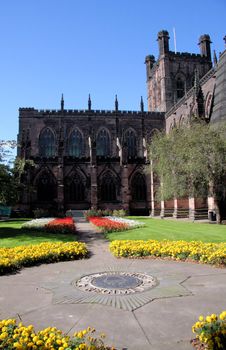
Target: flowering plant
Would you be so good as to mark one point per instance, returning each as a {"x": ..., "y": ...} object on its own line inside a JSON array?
[
  {"x": 211, "y": 253},
  {"x": 13, "y": 259},
  {"x": 13, "y": 336},
  {"x": 113, "y": 223},
  {"x": 107, "y": 225},
  {"x": 211, "y": 331},
  {"x": 36, "y": 224},
  {"x": 129, "y": 222},
  {"x": 65, "y": 225}
]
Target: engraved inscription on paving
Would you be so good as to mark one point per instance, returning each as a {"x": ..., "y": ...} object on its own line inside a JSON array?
[{"x": 115, "y": 282}]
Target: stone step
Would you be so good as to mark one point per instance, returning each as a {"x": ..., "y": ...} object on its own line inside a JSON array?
[{"x": 75, "y": 213}]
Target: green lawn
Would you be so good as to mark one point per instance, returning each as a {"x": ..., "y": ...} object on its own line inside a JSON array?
[
  {"x": 11, "y": 235},
  {"x": 172, "y": 230}
]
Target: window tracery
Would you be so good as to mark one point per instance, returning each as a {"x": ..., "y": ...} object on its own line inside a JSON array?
[
  {"x": 47, "y": 144},
  {"x": 131, "y": 143},
  {"x": 75, "y": 144},
  {"x": 103, "y": 143},
  {"x": 108, "y": 188},
  {"x": 138, "y": 187}
]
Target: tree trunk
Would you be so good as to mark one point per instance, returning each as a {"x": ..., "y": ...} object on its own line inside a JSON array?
[{"x": 218, "y": 210}]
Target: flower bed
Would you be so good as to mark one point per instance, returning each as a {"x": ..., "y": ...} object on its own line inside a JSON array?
[
  {"x": 65, "y": 225},
  {"x": 129, "y": 222},
  {"x": 210, "y": 253},
  {"x": 210, "y": 332},
  {"x": 13, "y": 259},
  {"x": 13, "y": 336},
  {"x": 37, "y": 224},
  {"x": 107, "y": 225},
  {"x": 113, "y": 223}
]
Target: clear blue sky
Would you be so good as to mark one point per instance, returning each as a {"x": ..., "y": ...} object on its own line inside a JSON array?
[{"x": 90, "y": 46}]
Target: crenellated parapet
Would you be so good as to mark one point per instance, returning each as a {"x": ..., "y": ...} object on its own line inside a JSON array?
[
  {"x": 172, "y": 74},
  {"x": 32, "y": 112}
]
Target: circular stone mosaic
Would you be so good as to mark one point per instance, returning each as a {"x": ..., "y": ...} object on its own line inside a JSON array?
[{"x": 115, "y": 282}]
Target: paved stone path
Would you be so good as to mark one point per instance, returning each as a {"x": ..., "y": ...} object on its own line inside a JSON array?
[{"x": 44, "y": 296}]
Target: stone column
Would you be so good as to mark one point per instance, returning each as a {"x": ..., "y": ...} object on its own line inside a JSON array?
[
  {"x": 125, "y": 188},
  {"x": 93, "y": 186},
  {"x": 60, "y": 168},
  {"x": 148, "y": 191},
  {"x": 191, "y": 202},
  {"x": 60, "y": 186},
  {"x": 93, "y": 171},
  {"x": 211, "y": 203},
  {"x": 212, "y": 207},
  {"x": 152, "y": 192},
  {"x": 175, "y": 208},
  {"x": 162, "y": 213}
]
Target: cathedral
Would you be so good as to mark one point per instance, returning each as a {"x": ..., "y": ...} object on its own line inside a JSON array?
[{"x": 99, "y": 158}]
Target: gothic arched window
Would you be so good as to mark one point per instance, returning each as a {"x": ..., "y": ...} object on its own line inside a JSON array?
[
  {"x": 47, "y": 144},
  {"x": 180, "y": 88},
  {"x": 108, "y": 188},
  {"x": 138, "y": 187},
  {"x": 75, "y": 144},
  {"x": 130, "y": 139},
  {"x": 103, "y": 143},
  {"x": 75, "y": 189},
  {"x": 46, "y": 187}
]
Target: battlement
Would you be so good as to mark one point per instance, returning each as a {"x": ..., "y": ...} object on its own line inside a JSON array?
[
  {"x": 180, "y": 55},
  {"x": 186, "y": 54},
  {"x": 32, "y": 112}
]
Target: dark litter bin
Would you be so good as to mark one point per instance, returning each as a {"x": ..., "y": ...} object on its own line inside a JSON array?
[{"x": 212, "y": 216}]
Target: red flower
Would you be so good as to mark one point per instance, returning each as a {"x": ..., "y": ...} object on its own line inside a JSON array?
[
  {"x": 65, "y": 225},
  {"x": 108, "y": 225}
]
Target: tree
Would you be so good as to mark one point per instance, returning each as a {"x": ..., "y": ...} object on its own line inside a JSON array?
[
  {"x": 5, "y": 149},
  {"x": 11, "y": 177},
  {"x": 8, "y": 185},
  {"x": 7, "y": 180},
  {"x": 191, "y": 162}
]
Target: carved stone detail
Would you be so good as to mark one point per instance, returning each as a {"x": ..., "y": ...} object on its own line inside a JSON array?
[{"x": 112, "y": 283}]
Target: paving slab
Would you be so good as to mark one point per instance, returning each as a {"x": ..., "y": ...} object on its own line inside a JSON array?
[{"x": 159, "y": 319}]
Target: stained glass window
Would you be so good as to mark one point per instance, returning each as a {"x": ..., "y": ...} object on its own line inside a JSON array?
[
  {"x": 75, "y": 144},
  {"x": 130, "y": 139},
  {"x": 103, "y": 143},
  {"x": 180, "y": 88},
  {"x": 47, "y": 146}
]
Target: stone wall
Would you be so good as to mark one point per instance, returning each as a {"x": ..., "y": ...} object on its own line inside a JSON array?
[{"x": 88, "y": 168}]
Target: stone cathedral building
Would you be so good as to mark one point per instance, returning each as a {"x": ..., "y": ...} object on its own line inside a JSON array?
[{"x": 99, "y": 158}]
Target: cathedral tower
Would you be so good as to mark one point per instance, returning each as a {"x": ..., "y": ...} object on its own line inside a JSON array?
[{"x": 173, "y": 73}]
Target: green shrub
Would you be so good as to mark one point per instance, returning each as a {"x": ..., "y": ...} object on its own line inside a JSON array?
[{"x": 41, "y": 213}]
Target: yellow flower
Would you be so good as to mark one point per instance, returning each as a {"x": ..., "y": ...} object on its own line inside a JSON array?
[
  {"x": 208, "y": 319},
  {"x": 222, "y": 316},
  {"x": 4, "y": 335},
  {"x": 51, "y": 338}
]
